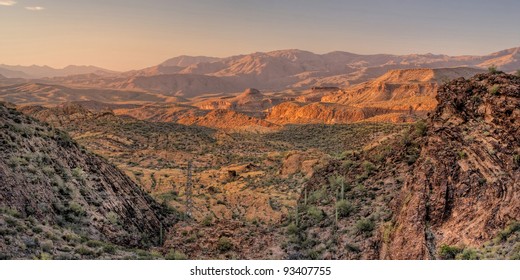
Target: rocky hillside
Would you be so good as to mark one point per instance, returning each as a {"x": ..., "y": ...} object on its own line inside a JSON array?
[
  {"x": 250, "y": 100},
  {"x": 328, "y": 113},
  {"x": 397, "y": 96},
  {"x": 400, "y": 89},
  {"x": 465, "y": 187},
  {"x": 46, "y": 94},
  {"x": 447, "y": 188},
  {"x": 230, "y": 120},
  {"x": 185, "y": 85},
  {"x": 55, "y": 195}
]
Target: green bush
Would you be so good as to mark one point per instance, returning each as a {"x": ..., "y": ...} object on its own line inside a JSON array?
[
  {"x": 94, "y": 243},
  {"x": 494, "y": 89},
  {"x": 467, "y": 254},
  {"x": 175, "y": 255},
  {"x": 447, "y": 252},
  {"x": 78, "y": 173},
  {"x": 344, "y": 207},
  {"x": 292, "y": 229},
  {"x": 224, "y": 244},
  {"x": 493, "y": 69},
  {"x": 516, "y": 159},
  {"x": 109, "y": 249},
  {"x": 318, "y": 196},
  {"x": 510, "y": 229},
  {"x": 17, "y": 161},
  {"x": 207, "y": 221},
  {"x": 112, "y": 217},
  {"x": 84, "y": 251},
  {"x": 421, "y": 128},
  {"x": 315, "y": 213},
  {"x": 368, "y": 166},
  {"x": 76, "y": 209},
  {"x": 365, "y": 226},
  {"x": 47, "y": 246},
  {"x": 336, "y": 181}
]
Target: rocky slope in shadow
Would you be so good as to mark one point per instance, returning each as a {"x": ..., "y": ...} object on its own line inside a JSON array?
[{"x": 62, "y": 189}]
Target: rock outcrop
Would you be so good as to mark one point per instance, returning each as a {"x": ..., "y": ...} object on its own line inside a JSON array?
[
  {"x": 444, "y": 188},
  {"x": 230, "y": 120},
  {"x": 465, "y": 186},
  {"x": 328, "y": 113},
  {"x": 46, "y": 177}
]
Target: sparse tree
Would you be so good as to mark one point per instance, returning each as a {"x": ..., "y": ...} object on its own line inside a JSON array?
[{"x": 493, "y": 69}]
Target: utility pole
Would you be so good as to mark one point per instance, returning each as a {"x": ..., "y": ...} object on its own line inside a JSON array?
[{"x": 189, "y": 187}]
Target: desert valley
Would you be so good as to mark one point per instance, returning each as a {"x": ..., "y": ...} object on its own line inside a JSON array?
[{"x": 271, "y": 155}]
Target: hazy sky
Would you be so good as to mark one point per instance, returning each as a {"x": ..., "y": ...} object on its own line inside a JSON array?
[{"x": 130, "y": 34}]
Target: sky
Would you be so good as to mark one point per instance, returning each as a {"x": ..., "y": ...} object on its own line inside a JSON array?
[{"x": 133, "y": 34}]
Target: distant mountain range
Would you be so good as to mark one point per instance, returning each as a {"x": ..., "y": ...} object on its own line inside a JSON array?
[
  {"x": 301, "y": 69},
  {"x": 38, "y": 72},
  {"x": 190, "y": 76}
]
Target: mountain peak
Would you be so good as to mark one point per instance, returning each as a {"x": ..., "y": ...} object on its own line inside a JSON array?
[{"x": 187, "y": 60}]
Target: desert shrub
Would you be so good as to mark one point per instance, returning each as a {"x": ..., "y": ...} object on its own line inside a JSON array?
[
  {"x": 313, "y": 255},
  {"x": 494, "y": 89},
  {"x": 336, "y": 181},
  {"x": 518, "y": 73},
  {"x": 76, "y": 208},
  {"x": 292, "y": 228},
  {"x": 447, "y": 252},
  {"x": 347, "y": 163},
  {"x": 84, "y": 251},
  {"x": 421, "y": 128},
  {"x": 64, "y": 139},
  {"x": 318, "y": 195},
  {"x": 344, "y": 207},
  {"x": 365, "y": 226},
  {"x": 224, "y": 244},
  {"x": 175, "y": 255},
  {"x": 315, "y": 213},
  {"x": 467, "y": 254},
  {"x": 45, "y": 257},
  {"x": 352, "y": 248},
  {"x": 37, "y": 229},
  {"x": 94, "y": 243},
  {"x": 11, "y": 222},
  {"x": 48, "y": 170},
  {"x": 510, "y": 229},
  {"x": 17, "y": 161},
  {"x": 368, "y": 166},
  {"x": 516, "y": 159},
  {"x": 493, "y": 69},
  {"x": 109, "y": 249},
  {"x": 207, "y": 221},
  {"x": 78, "y": 173},
  {"x": 112, "y": 217},
  {"x": 154, "y": 181},
  {"x": 47, "y": 246}
]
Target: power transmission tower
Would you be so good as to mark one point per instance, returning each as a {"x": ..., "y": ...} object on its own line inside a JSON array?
[{"x": 189, "y": 193}]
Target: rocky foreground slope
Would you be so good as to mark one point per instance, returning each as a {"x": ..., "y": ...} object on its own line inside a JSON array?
[
  {"x": 448, "y": 188},
  {"x": 54, "y": 195},
  {"x": 465, "y": 187}
]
